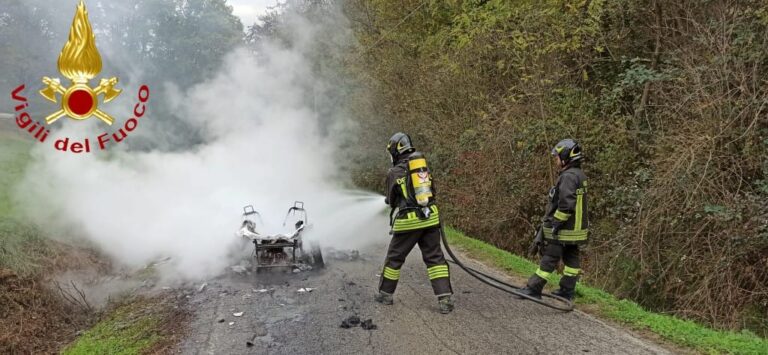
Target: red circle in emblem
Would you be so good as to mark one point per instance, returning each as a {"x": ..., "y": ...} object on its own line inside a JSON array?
[{"x": 80, "y": 102}]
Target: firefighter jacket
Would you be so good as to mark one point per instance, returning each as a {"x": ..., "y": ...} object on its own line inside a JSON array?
[
  {"x": 567, "y": 209},
  {"x": 407, "y": 214}
]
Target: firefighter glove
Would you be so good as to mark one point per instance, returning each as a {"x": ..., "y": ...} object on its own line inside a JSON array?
[{"x": 537, "y": 246}]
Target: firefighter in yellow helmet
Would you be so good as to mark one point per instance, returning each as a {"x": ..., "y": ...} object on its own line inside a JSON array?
[
  {"x": 415, "y": 220},
  {"x": 565, "y": 225}
]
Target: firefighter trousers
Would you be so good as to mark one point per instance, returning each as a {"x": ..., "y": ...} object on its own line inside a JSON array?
[
  {"x": 553, "y": 253},
  {"x": 401, "y": 245}
]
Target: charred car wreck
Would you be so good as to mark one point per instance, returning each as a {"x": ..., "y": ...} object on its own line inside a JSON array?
[{"x": 281, "y": 250}]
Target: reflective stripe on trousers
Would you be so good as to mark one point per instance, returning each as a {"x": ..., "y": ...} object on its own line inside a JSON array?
[{"x": 437, "y": 271}]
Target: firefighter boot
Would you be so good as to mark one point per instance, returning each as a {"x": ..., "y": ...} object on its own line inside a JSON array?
[
  {"x": 564, "y": 293},
  {"x": 534, "y": 287},
  {"x": 446, "y": 304},
  {"x": 384, "y": 298},
  {"x": 567, "y": 284}
]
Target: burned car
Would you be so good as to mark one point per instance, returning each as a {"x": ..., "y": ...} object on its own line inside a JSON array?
[{"x": 281, "y": 250}]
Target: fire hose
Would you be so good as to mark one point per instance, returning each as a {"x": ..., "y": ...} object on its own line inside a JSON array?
[{"x": 562, "y": 303}]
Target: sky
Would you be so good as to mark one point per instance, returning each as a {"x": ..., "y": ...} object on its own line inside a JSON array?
[{"x": 249, "y": 10}]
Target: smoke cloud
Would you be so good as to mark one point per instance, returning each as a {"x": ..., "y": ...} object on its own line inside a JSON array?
[{"x": 264, "y": 145}]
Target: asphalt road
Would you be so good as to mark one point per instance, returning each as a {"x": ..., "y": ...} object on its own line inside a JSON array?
[{"x": 278, "y": 319}]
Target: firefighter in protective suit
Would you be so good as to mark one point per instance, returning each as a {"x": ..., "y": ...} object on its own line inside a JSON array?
[
  {"x": 414, "y": 220},
  {"x": 565, "y": 225}
]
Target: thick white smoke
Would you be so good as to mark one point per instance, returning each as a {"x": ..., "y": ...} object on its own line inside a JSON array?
[{"x": 263, "y": 147}]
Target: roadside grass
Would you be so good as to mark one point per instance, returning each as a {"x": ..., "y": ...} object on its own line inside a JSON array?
[
  {"x": 675, "y": 330},
  {"x": 22, "y": 248},
  {"x": 127, "y": 331},
  {"x": 26, "y": 258},
  {"x": 14, "y": 155},
  {"x": 21, "y": 244},
  {"x": 144, "y": 325},
  {"x": 136, "y": 326}
]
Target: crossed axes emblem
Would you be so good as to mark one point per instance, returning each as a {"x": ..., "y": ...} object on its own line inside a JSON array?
[{"x": 106, "y": 87}]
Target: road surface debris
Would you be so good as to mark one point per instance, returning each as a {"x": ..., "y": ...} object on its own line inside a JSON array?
[
  {"x": 351, "y": 321},
  {"x": 368, "y": 325}
]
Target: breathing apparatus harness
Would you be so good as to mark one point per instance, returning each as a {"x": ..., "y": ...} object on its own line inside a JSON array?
[{"x": 417, "y": 188}]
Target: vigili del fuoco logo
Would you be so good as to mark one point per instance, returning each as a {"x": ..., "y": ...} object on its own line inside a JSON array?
[{"x": 79, "y": 62}]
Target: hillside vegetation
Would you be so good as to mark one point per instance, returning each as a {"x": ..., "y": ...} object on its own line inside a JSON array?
[{"x": 668, "y": 99}]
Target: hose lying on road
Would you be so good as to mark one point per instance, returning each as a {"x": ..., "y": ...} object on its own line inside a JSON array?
[{"x": 562, "y": 303}]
